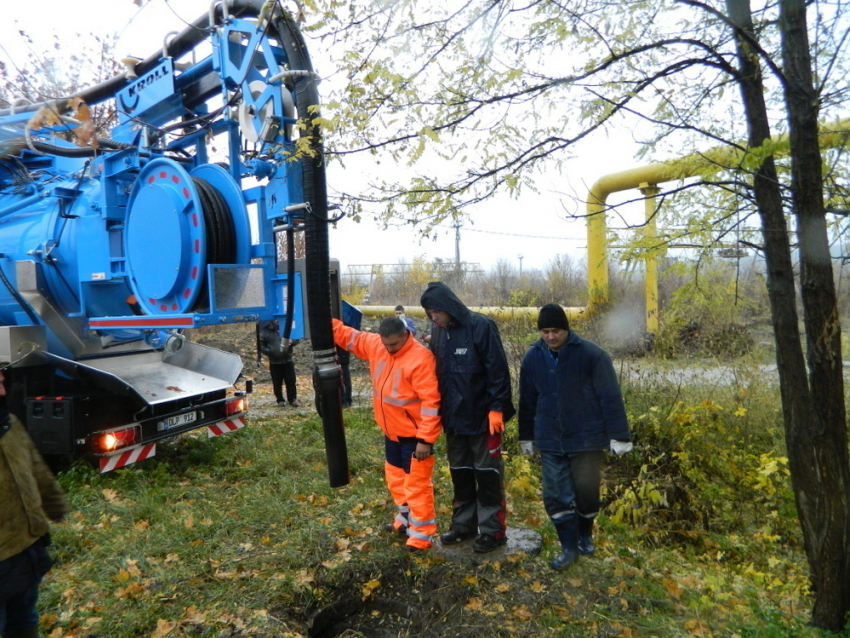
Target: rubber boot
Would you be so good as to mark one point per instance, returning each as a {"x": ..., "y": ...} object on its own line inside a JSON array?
[
  {"x": 29, "y": 632},
  {"x": 567, "y": 529},
  {"x": 585, "y": 536}
]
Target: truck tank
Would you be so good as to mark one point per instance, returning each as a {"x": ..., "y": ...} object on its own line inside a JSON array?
[{"x": 111, "y": 246}]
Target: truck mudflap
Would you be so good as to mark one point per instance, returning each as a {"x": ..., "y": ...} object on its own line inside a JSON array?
[
  {"x": 226, "y": 426},
  {"x": 127, "y": 457}
]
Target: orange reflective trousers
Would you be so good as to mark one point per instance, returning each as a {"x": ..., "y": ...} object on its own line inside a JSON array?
[{"x": 412, "y": 489}]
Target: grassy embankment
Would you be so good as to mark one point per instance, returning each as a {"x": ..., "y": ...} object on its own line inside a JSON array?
[{"x": 241, "y": 536}]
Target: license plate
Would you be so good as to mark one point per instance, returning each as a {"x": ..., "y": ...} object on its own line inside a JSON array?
[{"x": 176, "y": 421}]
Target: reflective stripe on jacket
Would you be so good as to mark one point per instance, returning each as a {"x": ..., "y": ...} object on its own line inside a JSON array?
[{"x": 405, "y": 393}]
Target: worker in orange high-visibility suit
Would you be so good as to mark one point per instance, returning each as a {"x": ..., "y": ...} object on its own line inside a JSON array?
[{"x": 406, "y": 399}]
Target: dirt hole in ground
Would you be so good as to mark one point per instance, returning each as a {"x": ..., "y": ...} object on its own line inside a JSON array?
[
  {"x": 378, "y": 618},
  {"x": 394, "y": 600}
]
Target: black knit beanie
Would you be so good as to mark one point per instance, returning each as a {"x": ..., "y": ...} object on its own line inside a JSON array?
[{"x": 552, "y": 316}]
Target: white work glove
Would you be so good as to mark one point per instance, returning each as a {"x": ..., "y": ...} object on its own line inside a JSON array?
[
  {"x": 621, "y": 447},
  {"x": 526, "y": 448}
]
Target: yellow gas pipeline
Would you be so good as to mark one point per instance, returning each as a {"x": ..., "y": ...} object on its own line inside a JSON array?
[
  {"x": 496, "y": 312},
  {"x": 645, "y": 178}
]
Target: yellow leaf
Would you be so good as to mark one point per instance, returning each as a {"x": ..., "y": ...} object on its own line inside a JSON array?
[
  {"x": 141, "y": 526},
  {"x": 693, "y": 625},
  {"x": 109, "y": 495},
  {"x": 189, "y": 521},
  {"x": 342, "y": 544},
  {"x": 672, "y": 588},
  {"x": 537, "y": 587},
  {"x": 559, "y": 611},
  {"x": 133, "y": 590},
  {"x": 48, "y": 115},
  {"x": 369, "y": 588},
  {"x": 163, "y": 628},
  {"x": 522, "y": 486},
  {"x": 523, "y": 613},
  {"x": 194, "y": 616},
  {"x": 502, "y": 588},
  {"x": 474, "y": 603}
]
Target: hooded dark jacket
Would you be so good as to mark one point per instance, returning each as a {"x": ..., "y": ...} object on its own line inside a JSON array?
[
  {"x": 573, "y": 403},
  {"x": 472, "y": 368}
]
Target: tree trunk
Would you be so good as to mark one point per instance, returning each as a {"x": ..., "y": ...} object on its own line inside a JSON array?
[
  {"x": 824, "y": 474},
  {"x": 813, "y": 415}
]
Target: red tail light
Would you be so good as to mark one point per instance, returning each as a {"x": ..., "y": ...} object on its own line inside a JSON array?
[
  {"x": 111, "y": 441},
  {"x": 235, "y": 405}
]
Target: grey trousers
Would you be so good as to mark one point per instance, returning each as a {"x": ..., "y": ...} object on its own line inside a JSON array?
[{"x": 478, "y": 477}]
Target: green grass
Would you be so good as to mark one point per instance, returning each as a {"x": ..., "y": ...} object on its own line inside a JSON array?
[{"x": 241, "y": 535}]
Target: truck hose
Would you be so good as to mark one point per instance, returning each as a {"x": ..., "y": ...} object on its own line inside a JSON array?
[
  {"x": 18, "y": 144},
  {"x": 326, "y": 373}
]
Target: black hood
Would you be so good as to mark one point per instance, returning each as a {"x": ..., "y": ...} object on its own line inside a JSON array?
[{"x": 438, "y": 296}]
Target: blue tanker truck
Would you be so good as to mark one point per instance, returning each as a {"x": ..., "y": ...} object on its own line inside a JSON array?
[{"x": 113, "y": 243}]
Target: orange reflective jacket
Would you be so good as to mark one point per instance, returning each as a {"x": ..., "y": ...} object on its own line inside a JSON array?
[{"x": 405, "y": 393}]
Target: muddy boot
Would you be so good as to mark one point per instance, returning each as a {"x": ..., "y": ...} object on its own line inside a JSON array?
[
  {"x": 567, "y": 529},
  {"x": 585, "y": 536}
]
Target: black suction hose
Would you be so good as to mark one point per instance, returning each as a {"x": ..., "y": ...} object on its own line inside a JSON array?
[{"x": 327, "y": 377}]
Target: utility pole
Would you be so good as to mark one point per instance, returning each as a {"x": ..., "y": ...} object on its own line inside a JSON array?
[
  {"x": 457, "y": 247},
  {"x": 520, "y": 266}
]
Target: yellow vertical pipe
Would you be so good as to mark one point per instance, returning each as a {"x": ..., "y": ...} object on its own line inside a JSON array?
[
  {"x": 650, "y": 233},
  {"x": 597, "y": 250}
]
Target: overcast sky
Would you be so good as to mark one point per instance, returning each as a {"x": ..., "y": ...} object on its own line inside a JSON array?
[{"x": 534, "y": 227}]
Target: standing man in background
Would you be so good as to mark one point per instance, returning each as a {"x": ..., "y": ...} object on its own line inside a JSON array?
[
  {"x": 475, "y": 386},
  {"x": 408, "y": 322},
  {"x": 406, "y": 399},
  {"x": 30, "y": 496},
  {"x": 571, "y": 409},
  {"x": 281, "y": 365}
]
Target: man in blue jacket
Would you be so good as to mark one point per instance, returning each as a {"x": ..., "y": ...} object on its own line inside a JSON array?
[
  {"x": 475, "y": 386},
  {"x": 570, "y": 409}
]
